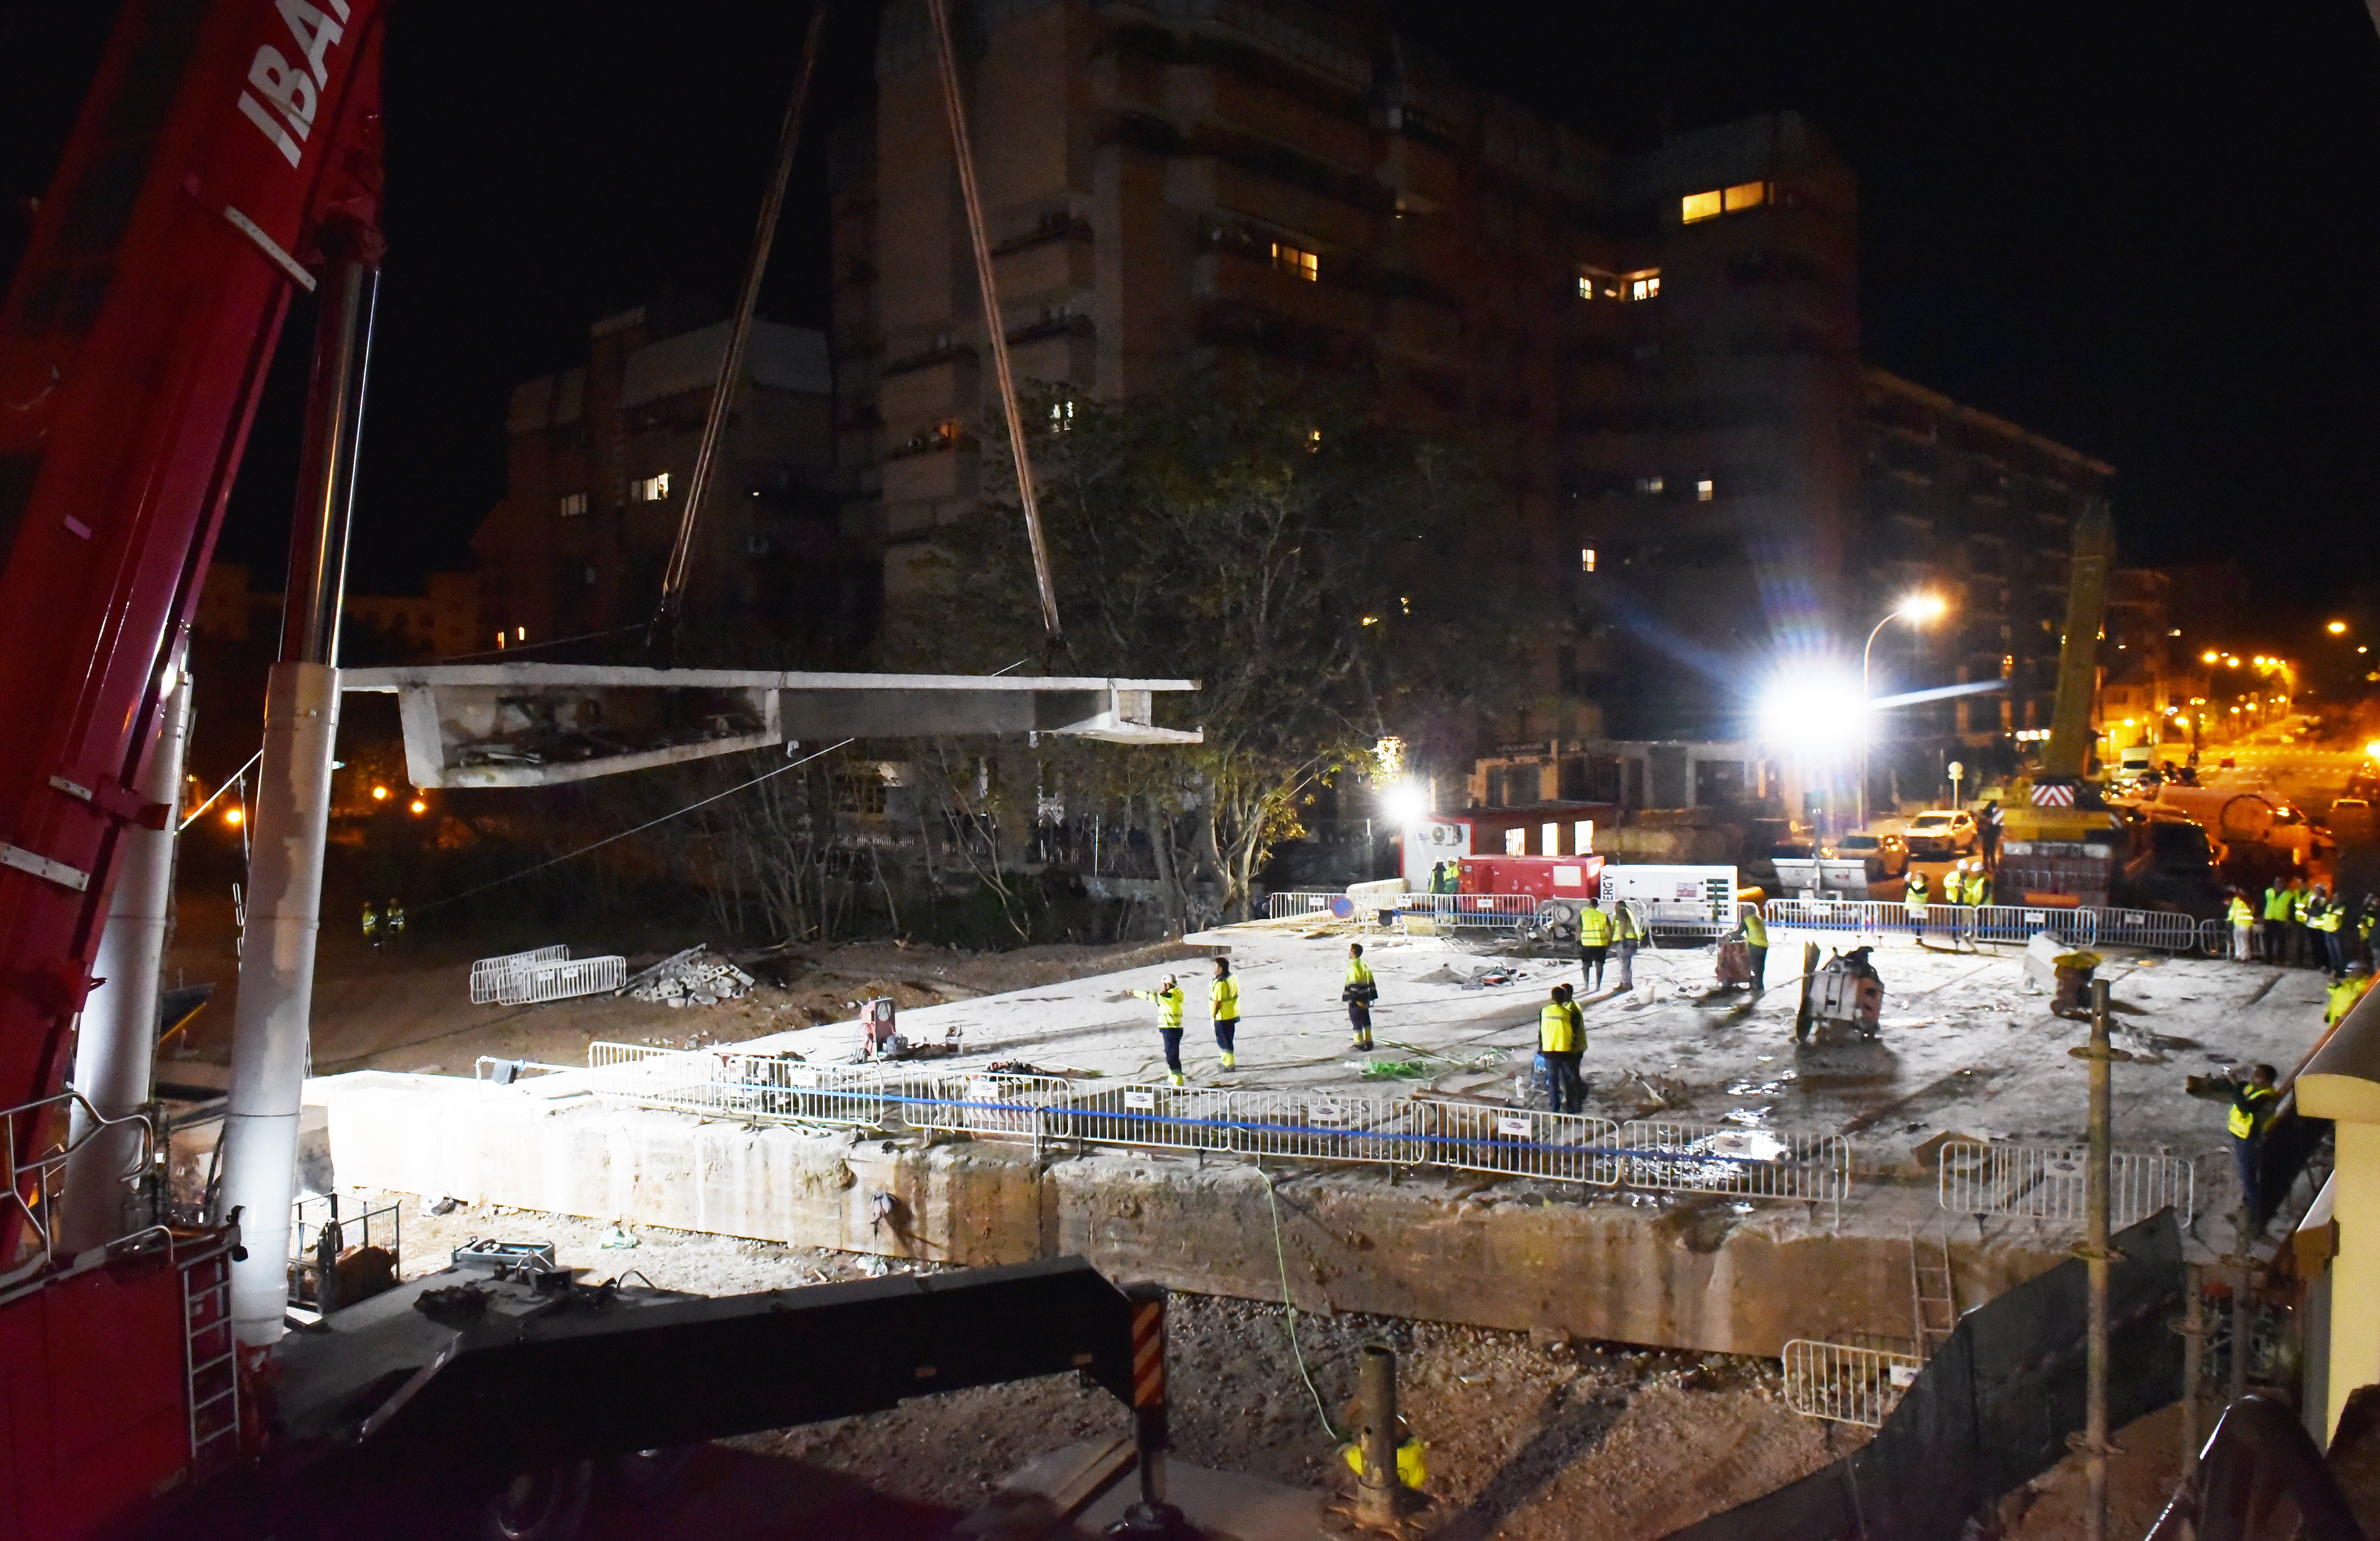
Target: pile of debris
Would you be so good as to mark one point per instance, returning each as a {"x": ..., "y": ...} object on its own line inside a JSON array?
[{"x": 689, "y": 978}]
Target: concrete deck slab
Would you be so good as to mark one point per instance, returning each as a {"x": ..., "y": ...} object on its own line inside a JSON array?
[{"x": 1964, "y": 1049}]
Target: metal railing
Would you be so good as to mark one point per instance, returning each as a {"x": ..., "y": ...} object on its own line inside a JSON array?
[
  {"x": 1890, "y": 917},
  {"x": 2157, "y": 930},
  {"x": 39, "y": 1172},
  {"x": 309, "y": 1212},
  {"x": 1972, "y": 1178},
  {"x": 488, "y": 972},
  {"x": 1558, "y": 1147},
  {"x": 560, "y": 979},
  {"x": 1723, "y": 1158},
  {"x": 1846, "y": 1384},
  {"x": 1496, "y": 910},
  {"x": 1338, "y": 1127},
  {"x": 1292, "y": 906}
]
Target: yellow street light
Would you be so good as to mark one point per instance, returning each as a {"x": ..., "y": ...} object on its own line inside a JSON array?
[
  {"x": 380, "y": 795},
  {"x": 421, "y": 806},
  {"x": 232, "y": 816},
  {"x": 1922, "y": 608},
  {"x": 2208, "y": 658},
  {"x": 2337, "y": 628}
]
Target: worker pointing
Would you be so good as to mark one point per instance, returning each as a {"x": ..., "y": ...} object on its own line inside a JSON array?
[
  {"x": 1169, "y": 1001},
  {"x": 1224, "y": 1005}
]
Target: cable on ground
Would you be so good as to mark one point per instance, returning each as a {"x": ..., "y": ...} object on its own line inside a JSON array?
[{"x": 1289, "y": 1307}]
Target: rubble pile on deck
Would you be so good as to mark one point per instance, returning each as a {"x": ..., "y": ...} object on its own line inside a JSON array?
[{"x": 693, "y": 977}]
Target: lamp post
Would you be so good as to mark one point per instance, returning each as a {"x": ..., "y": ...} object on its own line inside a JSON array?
[{"x": 1917, "y": 610}]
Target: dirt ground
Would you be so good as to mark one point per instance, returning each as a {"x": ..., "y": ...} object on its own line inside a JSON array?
[
  {"x": 1532, "y": 1441},
  {"x": 408, "y": 1007}
]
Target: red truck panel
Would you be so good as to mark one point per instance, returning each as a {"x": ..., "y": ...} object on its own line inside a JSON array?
[{"x": 1545, "y": 876}]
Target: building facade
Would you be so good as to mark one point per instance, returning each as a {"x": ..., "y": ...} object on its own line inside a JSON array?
[{"x": 596, "y": 463}]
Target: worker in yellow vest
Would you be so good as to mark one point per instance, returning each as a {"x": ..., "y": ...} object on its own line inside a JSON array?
[
  {"x": 1561, "y": 1043},
  {"x": 2242, "y": 916},
  {"x": 1628, "y": 934},
  {"x": 1359, "y": 992},
  {"x": 1756, "y": 946},
  {"x": 1169, "y": 1001},
  {"x": 1913, "y": 895},
  {"x": 2346, "y": 991},
  {"x": 2301, "y": 945},
  {"x": 1593, "y": 946},
  {"x": 2324, "y": 918},
  {"x": 2276, "y": 922},
  {"x": 2254, "y": 1100},
  {"x": 1223, "y": 1006}
]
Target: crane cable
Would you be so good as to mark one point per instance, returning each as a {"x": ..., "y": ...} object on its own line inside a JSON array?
[
  {"x": 739, "y": 333},
  {"x": 994, "y": 325}
]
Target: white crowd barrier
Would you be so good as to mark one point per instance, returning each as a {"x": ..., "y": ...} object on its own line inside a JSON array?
[
  {"x": 1972, "y": 1178},
  {"x": 488, "y": 974},
  {"x": 1846, "y": 1384}
]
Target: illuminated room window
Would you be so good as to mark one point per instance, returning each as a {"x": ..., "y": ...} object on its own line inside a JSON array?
[
  {"x": 1703, "y": 492},
  {"x": 651, "y": 489},
  {"x": 1700, "y": 206},
  {"x": 1595, "y": 283},
  {"x": 1648, "y": 484},
  {"x": 573, "y": 504},
  {"x": 1746, "y": 195},
  {"x": 1643, "y": 285},
  {"x": 1586, "y": 559},
  {"x": 1293, "y": 259}
]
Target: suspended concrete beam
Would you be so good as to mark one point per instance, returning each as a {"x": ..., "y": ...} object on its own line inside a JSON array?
[{"x": 534, "y": 725}]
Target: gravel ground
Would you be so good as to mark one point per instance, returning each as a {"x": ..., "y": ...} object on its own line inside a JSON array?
[{"x": 1531, "y": 1439}]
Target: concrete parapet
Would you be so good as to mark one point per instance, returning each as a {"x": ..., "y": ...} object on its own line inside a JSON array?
[{"x": 1707, "y": 1273}]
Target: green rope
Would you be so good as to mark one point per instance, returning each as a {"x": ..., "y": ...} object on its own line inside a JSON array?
[{"x": 1288, "y": 1309}]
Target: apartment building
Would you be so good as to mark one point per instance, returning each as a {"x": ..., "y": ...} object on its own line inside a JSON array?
[
  {"x": 1669, "y": 340},
  {"x": 598, "y": 458}
]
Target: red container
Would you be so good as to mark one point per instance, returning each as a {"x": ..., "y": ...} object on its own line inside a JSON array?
[{"x": 1544, "y": 877}]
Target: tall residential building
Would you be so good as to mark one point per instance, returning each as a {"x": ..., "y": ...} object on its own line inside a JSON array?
[
  {"x": 1669, "y": 340},
  {"x": 598, "y": 458}
]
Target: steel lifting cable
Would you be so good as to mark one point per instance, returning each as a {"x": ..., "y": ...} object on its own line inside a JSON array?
[
  {"x": 731, "y": 367},
  {"x": 994, "y": 324}
]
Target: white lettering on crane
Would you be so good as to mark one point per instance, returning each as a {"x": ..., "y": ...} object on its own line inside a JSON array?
[{"x": 293, "y": 88}]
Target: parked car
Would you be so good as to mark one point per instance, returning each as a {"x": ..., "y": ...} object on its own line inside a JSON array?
[
  {"x": 1887, "y": 855},
  {"x": 1941, "y": 832}
]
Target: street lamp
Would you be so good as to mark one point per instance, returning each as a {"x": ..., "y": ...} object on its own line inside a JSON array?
[{"x": 1917, "y": 610}]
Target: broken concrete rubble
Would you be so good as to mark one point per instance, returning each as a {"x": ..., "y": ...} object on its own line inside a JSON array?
[{"x": 689, "y": 978}]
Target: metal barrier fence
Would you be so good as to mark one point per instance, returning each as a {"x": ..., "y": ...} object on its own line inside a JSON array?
[
  {"x": 1722, "y": 1159},
  {"x": 1446, "y": 909},
  {"x": 1352, "y": 1127},
  {"x": 2158, "y": 929},
  {"x": 1972, "y": 1178},
  {"x": 488, "y": 973},
  {"x": 560, "y": 979},
  {"x": 1846, "y": 1384},
  {"x": 1559, "y": 1148},
  {"x": 309, "y": 1212},
  {"x": 1883, "y": 917}
]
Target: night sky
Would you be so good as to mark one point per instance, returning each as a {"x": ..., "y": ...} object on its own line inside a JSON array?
[{"x": 2150, "y": 231}]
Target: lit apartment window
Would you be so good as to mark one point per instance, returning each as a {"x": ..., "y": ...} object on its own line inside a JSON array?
[
  {"x": 1702, "y": 492},
  {"x": 1746, "y": 195},
  {"x": 1313, "y": 440},
  {"x": 1586, "y": 559},
  {"x": 1290, "y": 259},
  {"x": 1649, "y": 485},
  {"x": 1696, "y": 207},
  {"x": 1062, "y": 415},
  {"x": 573, "y": 504},
  {"x": 651, "y": 489},
  {"x": 1643, "y": 285},
  {"x": 1595, "y": 283}
]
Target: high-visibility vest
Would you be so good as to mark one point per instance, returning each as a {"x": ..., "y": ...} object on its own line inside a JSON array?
[
  {"x": 1623, "y": 921},
  {"x": 1915, "y": 896},
  {"x": 1223, "y": 1000},
  {"x": 1557, "y": 1027},
  {"x": 2300, "y": 901},
  {"x": 2363, "y": 927},
  {"x": 2328, "y": 918},
  {"x": 1755, "y": 929},
  {"x": 2343, "y": 997},
  {"x": 2277, "y": 903},
  {"x": 1979, "y": 888},
  {"x": 1358, "y": 972},
  {"x": 1593, "y": 928},
  {"x": 1169, "y": 1004},
  {"x": 2241, "y": 913},
  {"x": 2248, "y": 1113}
]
